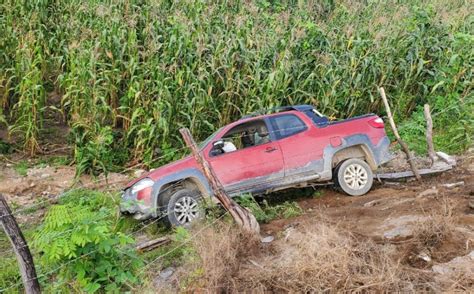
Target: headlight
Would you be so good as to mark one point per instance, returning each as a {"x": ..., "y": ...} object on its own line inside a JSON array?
[{"x": 142, "y": 184}]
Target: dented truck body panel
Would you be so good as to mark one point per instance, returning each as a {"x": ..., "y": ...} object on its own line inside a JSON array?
[{"x": 302, "y": 158}]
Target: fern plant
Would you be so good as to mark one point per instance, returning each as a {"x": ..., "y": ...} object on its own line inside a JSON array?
[{"x": 80, "y": 235}]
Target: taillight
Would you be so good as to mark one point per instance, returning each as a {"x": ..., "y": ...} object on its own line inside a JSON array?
[{"x": 377, "y": 123}]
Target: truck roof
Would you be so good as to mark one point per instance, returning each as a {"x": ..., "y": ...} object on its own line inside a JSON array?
[{"x": 301, "y": 108}]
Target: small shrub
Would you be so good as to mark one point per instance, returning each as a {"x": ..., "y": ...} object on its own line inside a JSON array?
[
  {"x": 318, "y": 193},
  {"x": 266, "y": 212},
  {"x": 175, "y": 253},
  {"x": 288, "y": 209},
  {"x": 180, "y": 238},
  {"x": 5, "y": 148},
  {"x": 433, "y": 231},
  {"x": 93, "y": 153},
  {"x": 21, "y": 168},
  {"x": 249, "y": 202}
]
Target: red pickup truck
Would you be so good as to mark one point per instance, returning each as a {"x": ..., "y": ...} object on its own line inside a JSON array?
[{"x": 293, "y": 146}]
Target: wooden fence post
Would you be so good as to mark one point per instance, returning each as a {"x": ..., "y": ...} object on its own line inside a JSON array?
[
  {"x": 22, "y": 252},
  {"x": 399, "y": 140},
  {"x": 242, "y": 216},
  {"x": 429, "y": 134}
]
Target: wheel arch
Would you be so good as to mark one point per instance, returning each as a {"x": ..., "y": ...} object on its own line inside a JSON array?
[
  {"x": 166, "y": 186},
  {"x": 354, "y": 151}
]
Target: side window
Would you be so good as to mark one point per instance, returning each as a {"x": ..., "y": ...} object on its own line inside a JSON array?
[
  {"x": 287, "y": 125},
  {"x": 248, "y": 134},
  {"x": 317, "y": 119}
]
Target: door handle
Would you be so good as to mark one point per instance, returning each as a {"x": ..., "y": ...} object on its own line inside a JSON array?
[{"x": 270, "y": 149}]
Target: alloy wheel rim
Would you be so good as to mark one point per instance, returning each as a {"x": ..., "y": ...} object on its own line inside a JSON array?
[
  {"x": 186, "y": 210},
  {"x": 355, "y": 176}
]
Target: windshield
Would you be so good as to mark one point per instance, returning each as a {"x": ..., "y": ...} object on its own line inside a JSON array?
[{"x": 209, "y": 139}]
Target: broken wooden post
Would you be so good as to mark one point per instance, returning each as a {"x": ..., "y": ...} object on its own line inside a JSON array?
[
  {"x": 397, "y": 136},
  {"x": 152, "y": 244},
  {"x": 22, "y": 252},
  {"x": 242, "y": 216},
  {"x": 429, "y": 134}
]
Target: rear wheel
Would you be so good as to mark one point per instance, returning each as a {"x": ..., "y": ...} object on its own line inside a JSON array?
[
  {"x": 354, "y": 177},
  {"x": 183, "y": 207}
]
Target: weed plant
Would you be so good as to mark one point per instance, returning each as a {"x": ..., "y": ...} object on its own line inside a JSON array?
[{"x": 266, "y": 212}]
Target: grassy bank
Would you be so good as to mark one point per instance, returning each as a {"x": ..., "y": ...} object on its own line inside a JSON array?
[{"x": 124, "y": 76}]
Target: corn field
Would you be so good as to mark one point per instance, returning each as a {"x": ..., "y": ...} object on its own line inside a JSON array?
[{"x": 124, "y": 75}]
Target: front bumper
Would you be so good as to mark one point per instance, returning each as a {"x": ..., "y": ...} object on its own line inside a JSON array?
[{"x": 129, "y": 204}]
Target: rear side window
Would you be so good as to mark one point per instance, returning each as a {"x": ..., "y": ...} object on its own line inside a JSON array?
[
  {"x": 287, "y": 125},
  {"x": 316, "y": 117}
]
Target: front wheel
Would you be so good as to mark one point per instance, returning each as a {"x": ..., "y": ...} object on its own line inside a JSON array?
[
  {"x": 183, "y": 207},
  {"x": 354, "y": 177}
]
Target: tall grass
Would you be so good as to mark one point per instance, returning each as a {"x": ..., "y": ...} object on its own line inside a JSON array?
[{"x": 146, "y": 68}]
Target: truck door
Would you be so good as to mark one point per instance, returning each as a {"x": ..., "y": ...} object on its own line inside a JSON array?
[
  {"x": 302, "y": 153},
  {"x": 246, "y": 158}
]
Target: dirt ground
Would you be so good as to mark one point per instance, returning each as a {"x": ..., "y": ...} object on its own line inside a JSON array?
[
  {"x": 390, "y": 209},
  {"x": 396, "y": 214},
  {"x": 43, "y": 183}
]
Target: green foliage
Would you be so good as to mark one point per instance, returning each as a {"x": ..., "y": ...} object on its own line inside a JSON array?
[
  {"x": 266, "y": 212},
  {"x": 413, "y": 131},
  {"x": 287, "y": 209},
  {"x": 249, "y": 202},
  {"x": 9, "y": 273},
  {"x": 53, "y": 161},
  {"x": 80, "y": 232},
  {"x": 175, "y": 253},
  {"x": 450, "y": 97},
  {"x": 21, "y": 167},
  {"x": 148, "y": 68},
  {"x": 93, "y": 149},
  {"x": 318, "y": 194},
  {"x": 31, "y": 94},
  {"x": 181, "y": 237},
  {"x": 5, "y": 148},
  {"x": 10, "y": 277}
]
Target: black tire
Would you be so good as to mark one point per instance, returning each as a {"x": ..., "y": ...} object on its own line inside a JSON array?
[
  {"x": 354, "y": 177},
  {"x": 335, "y": 179},
  {"x": 184, "y": 198}
]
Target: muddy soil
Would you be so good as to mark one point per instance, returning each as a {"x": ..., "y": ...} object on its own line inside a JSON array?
[
  {"x": 398, "y": 213},
  {"x": 42, "y": 184}
]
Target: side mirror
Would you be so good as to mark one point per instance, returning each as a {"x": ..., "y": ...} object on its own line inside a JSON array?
[
  {"x": 219, "y": 144},
  {"x": 217, "y": 147}
]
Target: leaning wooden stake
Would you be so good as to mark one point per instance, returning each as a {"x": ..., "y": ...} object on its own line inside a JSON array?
[
  {"x": 242, "y": 216},
  {"x": 429, "y": 134},
  {"x": 399, "y": 140},
  {"x": 22, "y": 252}
]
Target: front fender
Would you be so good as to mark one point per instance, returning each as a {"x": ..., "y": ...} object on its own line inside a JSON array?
[{"x": 192, "y": 173}]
